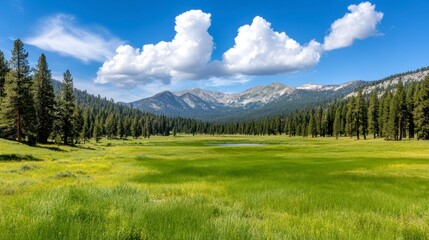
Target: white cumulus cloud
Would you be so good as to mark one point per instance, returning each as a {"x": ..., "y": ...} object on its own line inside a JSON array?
[
  {"x": 60, "y": 34},
  {"x": 185, "y": 57},
  {"x": 259, "y": 50},
  {"x": 361, "y": 22}
]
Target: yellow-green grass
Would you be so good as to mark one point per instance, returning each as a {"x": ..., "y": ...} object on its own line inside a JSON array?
[{"x": 187, "y": 187}]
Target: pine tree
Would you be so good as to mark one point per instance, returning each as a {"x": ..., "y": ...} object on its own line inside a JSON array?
[
  {"x": 421, "y": 111},
  {"x": 325, "y": 124},
  {"x": 110, "y": 126},
  {"x": 402, "y": 110},
  {"x": 135, "y": 128},
  {"x": 351, "y": 116},
  {"x": 312, "y": 126},
  {"x": 120, "y": 131},
  {"x": 44, "y": 98},
  {"x": 4, "y": 68},
  {"x": 141, "y": 126},
  {"x": 18, "y": 114},
  {"x": 127, "y": 127},
  {"x": 397, "y": 114},
  {"x": 386, "y": 114},
  {"x": 410, "y": 110},
  {"x": 337, "y": 123},
  {"x": 97, "y": 129},
  {"x": 381, "y": 115},
  {"x": 343, "y": 120},
  {"x": 319, "y": 121},
  {"x": 78, "y": 123},
  {"x": 373, "y": 114},
  {"x": 360, "y": 115},
  {"x": 85, "y": 133},
  {"x": 146, "y": 128},
  {"x": 393, "y": 124},
  {"x": 416, "y": 99},
  {"x": 66, "y": 108}
]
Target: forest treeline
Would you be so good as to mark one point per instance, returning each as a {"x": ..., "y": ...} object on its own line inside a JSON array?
[
  {"x": 34, "y": 108},
  {"x": 392, "y": 115}
]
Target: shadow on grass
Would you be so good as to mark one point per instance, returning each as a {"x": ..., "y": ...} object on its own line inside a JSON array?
[
  {"x": 17, "y": 157},
  {"x": 52, "y": 148},
  {"x": 57, "y": 149},
  {"x": 84, "y": 147}
]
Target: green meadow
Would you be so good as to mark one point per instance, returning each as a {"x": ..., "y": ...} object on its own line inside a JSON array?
[{"x": 189, "y": 187}]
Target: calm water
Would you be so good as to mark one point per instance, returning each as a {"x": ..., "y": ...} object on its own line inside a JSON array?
[{"x": 238, "y": 144}]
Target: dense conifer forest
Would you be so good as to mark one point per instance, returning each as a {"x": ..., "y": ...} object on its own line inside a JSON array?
[{"x": 37, "y": 109}]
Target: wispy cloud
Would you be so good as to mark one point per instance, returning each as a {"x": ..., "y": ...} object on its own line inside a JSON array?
[
  {"x": 60, "y": 33},
  {"x": 226, "y": 81},
  {"x": 17, "y": 5}
]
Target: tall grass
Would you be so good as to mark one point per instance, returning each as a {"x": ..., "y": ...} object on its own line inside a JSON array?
[{"x": 187, "y": 188}]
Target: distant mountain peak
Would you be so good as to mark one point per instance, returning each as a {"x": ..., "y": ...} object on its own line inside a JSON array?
[
  {"x": 277, "y": 84},
  {"x": 259, "y": 101}
]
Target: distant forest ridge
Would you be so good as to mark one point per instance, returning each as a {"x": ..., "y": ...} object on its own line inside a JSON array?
[{"x": 37, "y": 109}]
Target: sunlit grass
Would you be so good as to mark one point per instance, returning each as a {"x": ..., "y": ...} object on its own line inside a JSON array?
[{"x": 187, "y": 188}]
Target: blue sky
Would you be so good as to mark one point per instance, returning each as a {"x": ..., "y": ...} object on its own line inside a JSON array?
[{"x": 386, "y": 37}]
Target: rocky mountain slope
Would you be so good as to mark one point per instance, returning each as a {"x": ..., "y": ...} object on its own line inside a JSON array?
[{"x": 261, "y": 101}]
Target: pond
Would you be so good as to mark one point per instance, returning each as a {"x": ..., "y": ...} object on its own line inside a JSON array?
[{"x": 237, "y": 144}]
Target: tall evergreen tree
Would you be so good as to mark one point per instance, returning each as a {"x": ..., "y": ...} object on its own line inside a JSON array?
[
  {"x": 135, "y": 128},
  {"x": 373, "y": 114},
  {"x": 146, "y": 130},
  {"x": 110, "y": 126},
  {"x": 78, "y": 123},
  {"x": 174, "y": 132},
  {"x": 312, "y": 126},
  {"x": 337, "y": 123},
  {"x": 18, "y": 113},
  {"x": 44, "y": 98},
  {"x": 318, "y": 118},
  {"x": 127, "y": 127},
  {"x": 351, "y": 116},
  {"x": 66, "y": 108},
  {"x": 421, "y": 111},
  {"x": 343, "y": 120},
  {"x": 393, "y": 124},
  {"x": 4, "y": 68},
  {"x": 381, "y": 115},
  {"x": 386, "y": 114},
  {"x": 120, "y": 131},
  {"x": 402, "y": 110},
  {"x": 410, "y": 110},
  {"x": 85, "y": 133},
  {"x": 97, "y": 129},
  {"x": 360, "y": 115}
]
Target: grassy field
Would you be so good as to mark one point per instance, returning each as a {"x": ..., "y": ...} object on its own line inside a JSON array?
[{"x": 190, "y": 188}]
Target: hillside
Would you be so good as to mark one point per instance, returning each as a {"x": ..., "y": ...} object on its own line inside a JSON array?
[{"x": 261, "y": 101}]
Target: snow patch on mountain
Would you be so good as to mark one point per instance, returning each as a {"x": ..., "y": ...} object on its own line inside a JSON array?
[
  {"x": 189, "y": 101},
  {"x": 208, "y": 96},
  {"x": 259, "y": 94},
  {"x": 392, "y": 82},
  {"x": 317, "y": 87}
]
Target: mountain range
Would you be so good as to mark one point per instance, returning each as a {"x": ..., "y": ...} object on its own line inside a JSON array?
[{"x": 260, "y": 101}]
